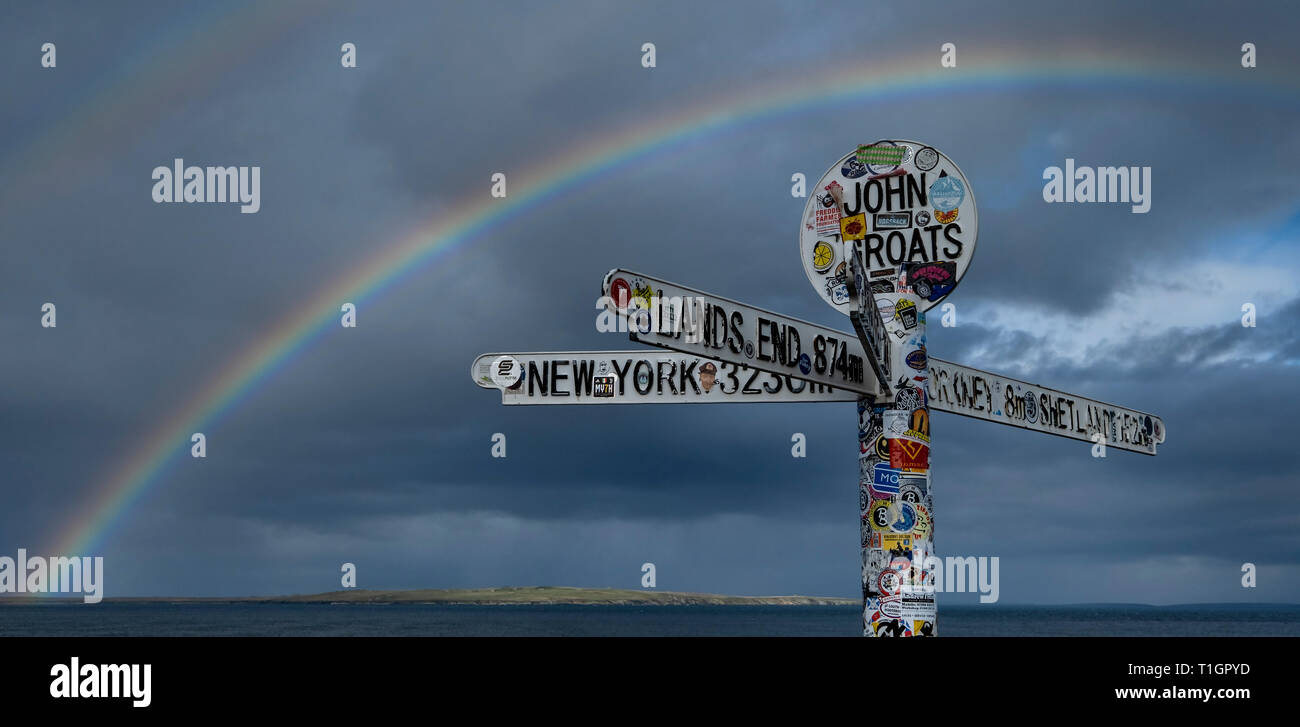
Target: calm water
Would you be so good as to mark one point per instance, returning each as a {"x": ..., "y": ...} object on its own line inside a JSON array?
[{"x": 155, "y": 619}]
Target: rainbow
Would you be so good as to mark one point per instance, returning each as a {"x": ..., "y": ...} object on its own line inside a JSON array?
[{"x": 277, "y": 346}]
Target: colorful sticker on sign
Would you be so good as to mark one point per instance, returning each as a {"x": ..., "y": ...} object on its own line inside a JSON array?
[
  {"x": 880, "y": 515},
  {"x": 885, "y": 479},
  {"x": 507, "y": 372},
  {"x": 604, "y": 386},
  {"x": 947, "y": 193},
  {"x": 905, "y": 454},
  {"x": 853, "y": 228},
  {"x": 933, "y": 281},
  {"x": 905, "y": 313},
  {"x": 881, "y": 157},
  {"x": 916, "y": 359},
  {"x": 621, "y": 292},
  {"x": 926, "y": 159},
  {"x": 823, "y": 257},
  {"x": 852, "y": 169},
  {"x": 828, "y": 210},
  {"x": 892, "y": 220}
]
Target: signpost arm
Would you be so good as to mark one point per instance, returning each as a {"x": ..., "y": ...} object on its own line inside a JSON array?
[
  {"x": 865, "y": 316},
  {"x": 894, "y": 484}
]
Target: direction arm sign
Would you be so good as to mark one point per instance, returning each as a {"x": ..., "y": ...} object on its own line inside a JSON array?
[
  {"x": 995, "y": 398},
  {"x": 646, "y": 377},
  {"x": 691, "y": 321}
]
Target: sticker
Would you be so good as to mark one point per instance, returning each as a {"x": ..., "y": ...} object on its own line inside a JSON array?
[
  {"x": 905, "y": 313},
  {"x": 926, "y": 159},
  {"x": 874, "y": 561},
  {"x": 947, "y": 193},
  {"x": 888, "y": 584},
  {"x": 895, "y": 173},
  {"x": 881, "y": 157},
  {"x": 604, "y": 386},
  {"x": 823, "y": 256},
  {"x": 1031, "y": 409},
  {"x": 621, "y": 292},
  {"x": 507, "y": 373},
  {"x": 945, "y": 217},
  {"x": 922, "y": 218},
  {"x": 896, "y": 422},
  {"x": 933, "y": 281},
  {"x": 916, "y": 359},
  {"x": 884, "y": 479},
  {"x": 892, "y": 220},
  {"x": 852, "y": 169},
  {"x": 882, "y": 447},
  {"x": 905, "y": 454},
  {"x": 708, "y": 376},
  {"x": 805, "y": 363},
  {"x": 917, "y": 605},
  {"x": 837, "y": 284},
  {"x": 904, "y": 518},
  {"x": 916, "y": 436},
  {"x": 639, "y": 320},
  {"x": 868, "y": 428},
  {"x": 910, "y": 491},
  {"x": 908, "y": 398},
  {"x": 921, "y": 420},
  {"x": 921, "y": 531},
  {"x": 827, "y": 217},
  {"x": 749, "y": 349},
  {"x": 880, "y": 515},
  {"x": 895, "y": 541},
  {"x": 853, "y": 228},
  {"x": 894, "y": 628},
  {"x": 879, "y": 287},
  {"x": 922, "y": 628}
]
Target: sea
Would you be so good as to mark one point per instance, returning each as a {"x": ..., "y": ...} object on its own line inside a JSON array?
[{"x": 324, "y": 619}]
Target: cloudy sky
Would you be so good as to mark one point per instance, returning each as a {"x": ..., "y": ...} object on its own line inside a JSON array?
[{"x": 371, "y": 445}]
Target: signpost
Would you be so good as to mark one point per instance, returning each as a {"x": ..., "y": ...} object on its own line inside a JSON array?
[{"x": 888, "y": 234}]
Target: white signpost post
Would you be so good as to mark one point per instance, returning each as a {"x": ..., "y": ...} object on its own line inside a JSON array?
[{"x": 888, "y": 235}]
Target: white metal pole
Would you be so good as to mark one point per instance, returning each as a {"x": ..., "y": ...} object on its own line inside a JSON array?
[{"x": 894, "y": 479}]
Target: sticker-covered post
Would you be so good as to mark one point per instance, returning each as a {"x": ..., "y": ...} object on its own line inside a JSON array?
[
  {"x": 894, "y": 488},
  {"x": 888, "y": 233}
]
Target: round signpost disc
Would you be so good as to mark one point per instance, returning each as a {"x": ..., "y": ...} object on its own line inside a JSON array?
[{"x": 900, "y": 201}]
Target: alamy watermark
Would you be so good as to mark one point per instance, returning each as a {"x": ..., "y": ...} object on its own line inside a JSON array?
[
  {"x": 38, "y": 574},
  {"x": 1101, "y": 184},
  {"x": 179, "y": 183},
  {"x": 646, "y": 313},
  {"x": 952, "y": 574}
]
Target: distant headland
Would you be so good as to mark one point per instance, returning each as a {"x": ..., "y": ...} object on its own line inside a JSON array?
[{"x": 505, "y": 596}]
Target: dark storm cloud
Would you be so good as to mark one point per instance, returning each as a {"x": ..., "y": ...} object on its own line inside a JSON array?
[{"x": 372, "y": 445}]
